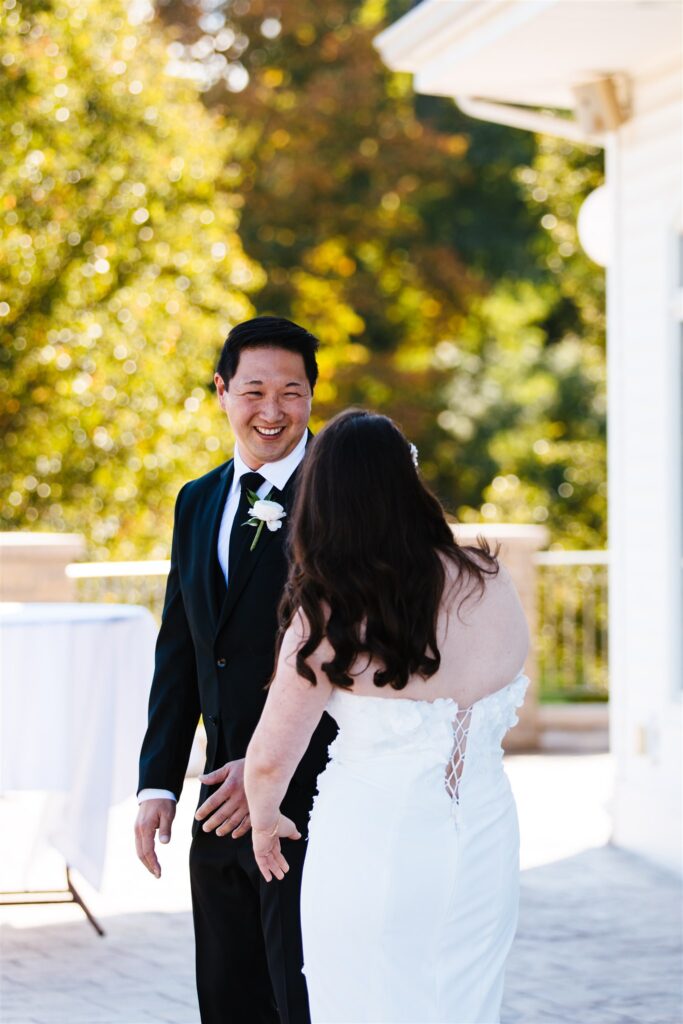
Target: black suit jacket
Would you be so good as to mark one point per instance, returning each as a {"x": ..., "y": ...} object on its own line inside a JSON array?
[{"x": 215, "y": 650}]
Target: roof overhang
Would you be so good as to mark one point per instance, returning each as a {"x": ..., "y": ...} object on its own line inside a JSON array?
[{"x": 531, "y": 53}]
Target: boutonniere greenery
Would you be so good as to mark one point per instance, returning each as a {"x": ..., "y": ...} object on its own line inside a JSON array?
[{"x": 263, "y": 511}]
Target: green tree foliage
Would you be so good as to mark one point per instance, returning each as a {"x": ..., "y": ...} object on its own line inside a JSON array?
[
  {"x": 336, "y": 167},
  {"x": 121, "y": 268},
  {"x": 542, "y": 346},
  {"x": 435, "y": 256}
]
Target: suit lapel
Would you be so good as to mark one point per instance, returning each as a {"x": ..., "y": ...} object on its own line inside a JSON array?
[
  {"x": 210, "y": 525},
  {"x": 250, "y": 559}
]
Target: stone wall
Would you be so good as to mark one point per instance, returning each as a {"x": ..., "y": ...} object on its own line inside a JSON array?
[
  {"x": 32, "y": 565},
  {"x": 32, "y": 568}
]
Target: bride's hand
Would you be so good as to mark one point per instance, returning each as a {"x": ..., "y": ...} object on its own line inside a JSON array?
[{"x": 267, "y": 847}]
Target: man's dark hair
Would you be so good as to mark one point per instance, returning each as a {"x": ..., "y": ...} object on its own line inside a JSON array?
[{"x": 268, "y": 332}]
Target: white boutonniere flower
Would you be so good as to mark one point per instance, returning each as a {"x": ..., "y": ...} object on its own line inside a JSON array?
[{"x": 264, "y": 511}]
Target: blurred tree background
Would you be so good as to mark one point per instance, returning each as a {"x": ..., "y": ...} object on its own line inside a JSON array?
[{"x": 166, "y": 173}]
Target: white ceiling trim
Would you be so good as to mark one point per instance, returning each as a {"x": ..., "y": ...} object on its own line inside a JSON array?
[{"x": 530, "y": 53}]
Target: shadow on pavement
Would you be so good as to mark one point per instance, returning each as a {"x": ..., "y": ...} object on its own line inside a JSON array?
[
  {"x": 599, "y": 942},
  {"x": 141, "y": 972}
]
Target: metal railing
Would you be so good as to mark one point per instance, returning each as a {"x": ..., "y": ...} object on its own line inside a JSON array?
[{"x": 571, "y": 637}]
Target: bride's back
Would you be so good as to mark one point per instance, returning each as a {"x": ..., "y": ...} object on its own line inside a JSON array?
[
  {"x": 483, "y": 640},
  {"x": 413, "y": 838}
]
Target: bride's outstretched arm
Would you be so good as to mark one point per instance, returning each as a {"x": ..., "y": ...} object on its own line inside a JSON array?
[{"x": 293, "y": 709}]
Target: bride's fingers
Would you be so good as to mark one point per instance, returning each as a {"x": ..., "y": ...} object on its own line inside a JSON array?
[
  {"x": 267, "y": 865},
  {"x": 278, "y": 872},
  {"x": 287, "y": 829},
  {"x": 275, "y": 865},
  {"x": 282, "y": 863},
  {"x": 263, "y": 868},
  {"x": 272, "y": 863}
]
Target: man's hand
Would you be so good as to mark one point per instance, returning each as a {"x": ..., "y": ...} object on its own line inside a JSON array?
[
  {"x": 153, "y": 815},
  {"x": 226, "y": 810}
]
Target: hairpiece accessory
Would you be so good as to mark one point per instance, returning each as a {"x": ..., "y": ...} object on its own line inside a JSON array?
[{"x": 413, "y": 453}]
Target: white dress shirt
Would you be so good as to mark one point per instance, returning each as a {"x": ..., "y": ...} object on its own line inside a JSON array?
[{"x": 275, "y": 474}]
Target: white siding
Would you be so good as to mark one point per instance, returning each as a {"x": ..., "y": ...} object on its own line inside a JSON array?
[{"x": 645, "y": 170}]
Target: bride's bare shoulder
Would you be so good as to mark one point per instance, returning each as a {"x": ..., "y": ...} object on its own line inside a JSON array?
[
  {"x": 484, "y": 626},
  {"x": 460, "y": 579},
  {"x": 492, "y": 592},
  {"x": 298, "y": 633}
]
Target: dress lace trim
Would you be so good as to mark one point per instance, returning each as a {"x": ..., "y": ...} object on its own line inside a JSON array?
[
  {"x": 501, "y": 715},
  {"x": 455, "y": 767},
  {"x": 438, "y": 726}
]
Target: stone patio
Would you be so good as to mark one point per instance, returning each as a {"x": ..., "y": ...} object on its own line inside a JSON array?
[{"x": 599, "y": 939}]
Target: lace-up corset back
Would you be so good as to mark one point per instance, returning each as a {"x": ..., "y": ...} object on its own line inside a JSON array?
[
  {"x": 399, "y": 742},
  {"x": 454, "y": 769}
]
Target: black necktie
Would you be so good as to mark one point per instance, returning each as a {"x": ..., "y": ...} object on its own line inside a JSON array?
[{"x": 241, "y": 536}]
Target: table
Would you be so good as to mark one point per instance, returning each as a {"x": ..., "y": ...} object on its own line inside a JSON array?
[{"x": 74, "y": 685}]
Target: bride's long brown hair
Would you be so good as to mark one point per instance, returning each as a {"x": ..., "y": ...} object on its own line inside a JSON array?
[{"x": 367, "y": 539}]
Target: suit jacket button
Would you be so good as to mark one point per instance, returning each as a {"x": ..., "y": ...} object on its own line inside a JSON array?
[
  {"x": 213, "y": 719},
  {"x": 221, "y": 662}
]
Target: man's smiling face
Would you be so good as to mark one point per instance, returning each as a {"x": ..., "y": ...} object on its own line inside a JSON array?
[{"x": 268, "y": 403}]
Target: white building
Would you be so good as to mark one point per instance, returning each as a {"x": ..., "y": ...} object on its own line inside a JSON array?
[{"x": 611, "y": 71}]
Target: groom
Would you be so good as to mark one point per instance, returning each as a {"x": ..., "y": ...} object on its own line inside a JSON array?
[{"x": 214, "y": 656}]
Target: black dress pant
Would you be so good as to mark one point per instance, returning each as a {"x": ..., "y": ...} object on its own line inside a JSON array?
[{"x": 247, "y": 934}]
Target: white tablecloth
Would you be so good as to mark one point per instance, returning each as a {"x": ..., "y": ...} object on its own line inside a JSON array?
[{"x": 74, "y": 684}]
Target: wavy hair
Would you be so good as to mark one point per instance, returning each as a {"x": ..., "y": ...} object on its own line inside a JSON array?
[{"x": 367, "y": 539}]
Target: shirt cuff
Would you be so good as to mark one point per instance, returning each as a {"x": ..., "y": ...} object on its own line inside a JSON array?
[{"x": 156, "y": 794}]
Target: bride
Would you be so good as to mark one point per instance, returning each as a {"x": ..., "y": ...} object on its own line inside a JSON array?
[{"x": 414, "y": 645}]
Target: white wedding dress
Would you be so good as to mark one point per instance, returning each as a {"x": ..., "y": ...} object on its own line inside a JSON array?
[{"x": 410, "y": 886}]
